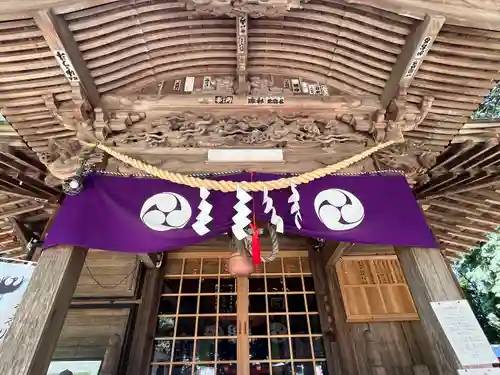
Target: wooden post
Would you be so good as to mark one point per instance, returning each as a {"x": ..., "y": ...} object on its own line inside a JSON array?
[
  {"x": 430, "y": 280},
  {"x": 317, "y": 264},
  {"x": 145, "y": 323},
  {"x": 111, "y": 357},
  {"x": 33, "y": 335}
]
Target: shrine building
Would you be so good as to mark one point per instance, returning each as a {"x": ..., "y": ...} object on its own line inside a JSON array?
[{"x": 266, "y": 187}]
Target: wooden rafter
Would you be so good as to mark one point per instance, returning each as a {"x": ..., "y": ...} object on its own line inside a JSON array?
[
  {"x": 480, "y": 14},
  {"x": 61, "y": 41},
  {"x": 416, "y": 46}
]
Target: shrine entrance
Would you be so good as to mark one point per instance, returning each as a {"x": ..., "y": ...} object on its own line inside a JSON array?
[{"x": 210, "y": 323}]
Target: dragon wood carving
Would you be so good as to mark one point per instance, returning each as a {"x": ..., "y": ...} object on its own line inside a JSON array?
[
  {"x": 204, "y": 131},
  {"x": 139, "y": 132},
  {"x": 236, "y": 8}
]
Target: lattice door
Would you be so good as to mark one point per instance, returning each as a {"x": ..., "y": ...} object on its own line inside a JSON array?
[{"x": 202, "y": 330}]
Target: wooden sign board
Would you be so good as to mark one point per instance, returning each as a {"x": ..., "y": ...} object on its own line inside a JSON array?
[
  {"x": 66, "y": 65},
  {"x": 464, "y": 333},
  {"x": 374, "y": 289}
]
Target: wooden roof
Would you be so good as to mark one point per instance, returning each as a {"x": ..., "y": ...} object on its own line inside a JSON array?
[
  {"x": 461, "y": 200},
  {"x": 129, "y": 45},
  {"x": 24, "y": 199}
]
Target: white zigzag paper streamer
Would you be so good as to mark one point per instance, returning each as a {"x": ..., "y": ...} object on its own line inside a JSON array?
[
  {"x": 295, "y": 209},
  {"x": 276, "y": 220},
  {"x": 203, "y": 218},
  {"x": 241, "y": 220}
]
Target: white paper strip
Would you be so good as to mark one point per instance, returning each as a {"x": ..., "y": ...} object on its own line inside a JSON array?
[
  {"x": 241, "y": 219},
  {"x": 189, "y": 84},
  {"x": 480, "y": 371},
  {"x": 464, "y": 333},
  {"x": 276, "y": 220},
  {"x": 203, "y": 218},
  {"x": 295, "y": 208},
  {"x": 14, "y": 279}
]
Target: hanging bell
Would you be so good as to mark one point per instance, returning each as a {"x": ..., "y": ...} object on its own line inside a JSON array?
[
  {"x": 73, "y": 185},
  {"x": 240, "y": 265}
]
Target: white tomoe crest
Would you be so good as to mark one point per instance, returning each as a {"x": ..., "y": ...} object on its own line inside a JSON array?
[
  {"x": 166, "y": 211},
  {"x": 339, "y": 209}
]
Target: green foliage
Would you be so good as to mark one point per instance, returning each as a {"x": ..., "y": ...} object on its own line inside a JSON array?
[
  {"x": 479, "y": 275},
  {"x": 490, "y": 108}
]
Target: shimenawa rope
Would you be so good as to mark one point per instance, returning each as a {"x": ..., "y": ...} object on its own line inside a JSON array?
[{"x": 228, "y": 186}]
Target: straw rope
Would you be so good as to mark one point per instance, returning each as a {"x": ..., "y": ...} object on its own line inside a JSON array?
[{"x": 254, "y": 186}]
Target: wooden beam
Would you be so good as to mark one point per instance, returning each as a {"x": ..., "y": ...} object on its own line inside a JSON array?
[
  {"x": 326, "y": 105},
  {"x": 22, "y": 210},
  {"x": 145, "y": 322},
  {"x": 333, "y": 251},
  {"x": 430, "y": 280},
  {"x": 61, "y": 42},
  {"x": 64, "y": 6},
  {"x": 28, "y": 347},
  {"x": 148, "y": 260},
  {"x": 417, "y": 44},
  {"x": 20, "y": 234},
  {"x": 480, "y": 14},
  {"x": 241, "y": 53}
]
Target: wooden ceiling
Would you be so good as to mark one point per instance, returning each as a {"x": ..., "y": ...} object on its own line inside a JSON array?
[
  {"x": 25, "y": 200},
  {"x": 128, "y": 45},
  {"x": 356, "y": 47}
]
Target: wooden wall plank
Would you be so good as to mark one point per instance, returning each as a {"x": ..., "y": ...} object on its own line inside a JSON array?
[{"x": 86, "y": 332}]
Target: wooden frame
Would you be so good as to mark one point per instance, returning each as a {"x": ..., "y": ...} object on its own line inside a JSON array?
[
  {"x": 374, "y": 289},
  {"x": 291, "y": 265}
]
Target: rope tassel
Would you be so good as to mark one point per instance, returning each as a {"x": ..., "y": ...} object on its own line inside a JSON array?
[{"x": 256, "y": 257}]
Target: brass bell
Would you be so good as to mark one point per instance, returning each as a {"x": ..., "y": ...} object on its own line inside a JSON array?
[{"x": 240, "y": 266}]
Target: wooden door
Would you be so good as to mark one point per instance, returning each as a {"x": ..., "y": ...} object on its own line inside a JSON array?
[{"x": 210, "y": 323}]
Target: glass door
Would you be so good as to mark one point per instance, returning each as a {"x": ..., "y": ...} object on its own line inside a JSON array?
[{"x": 210, "y": 323}]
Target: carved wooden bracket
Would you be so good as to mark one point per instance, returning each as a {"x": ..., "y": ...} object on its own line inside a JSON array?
[
  {"x": 236, "y": 8},
  {"x": 400, "y": 117},
  {"x": 409, "y": 158}
]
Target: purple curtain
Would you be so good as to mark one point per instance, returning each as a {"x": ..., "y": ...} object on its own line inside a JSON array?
[{"x": 152, "y": 215}]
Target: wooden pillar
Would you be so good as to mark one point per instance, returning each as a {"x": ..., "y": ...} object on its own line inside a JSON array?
[
  {"x": 430, "y": 280},
  {"x": 111, "y": 357},
  {"x": 145, "y": 323},
  {"x": 317, "y": 264},
  {"x": 33, "y": 335}
]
